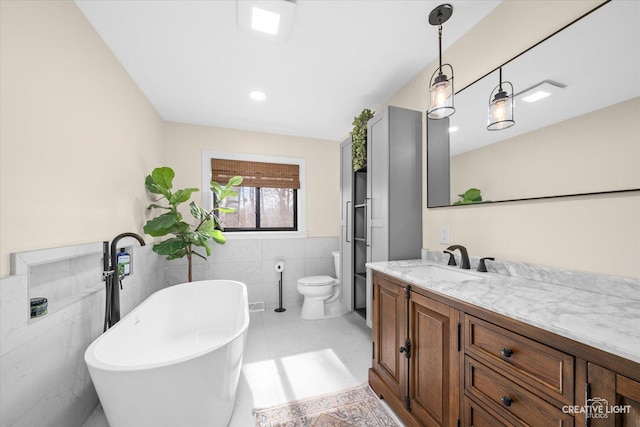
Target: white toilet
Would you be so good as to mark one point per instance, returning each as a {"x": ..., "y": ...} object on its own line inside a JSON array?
[{"x": 321, "y": 294}]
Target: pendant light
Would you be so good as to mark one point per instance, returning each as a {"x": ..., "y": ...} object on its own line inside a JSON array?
[
  {"x": 441, "y": 87},
  {"x": 501, "y": 107}
]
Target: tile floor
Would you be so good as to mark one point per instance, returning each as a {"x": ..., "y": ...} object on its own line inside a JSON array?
[{"x": 287, "y": 358}]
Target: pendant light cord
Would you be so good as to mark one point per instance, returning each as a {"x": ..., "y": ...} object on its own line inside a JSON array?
[{"x": 440, "y": 49}]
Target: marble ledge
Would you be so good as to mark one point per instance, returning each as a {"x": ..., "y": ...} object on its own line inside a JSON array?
[
  {"x": 21, "y": 261},
  {"x": 608, "y": 322}
]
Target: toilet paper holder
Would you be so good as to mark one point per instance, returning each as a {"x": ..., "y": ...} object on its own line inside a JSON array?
[{"x": 279, "y": 267}]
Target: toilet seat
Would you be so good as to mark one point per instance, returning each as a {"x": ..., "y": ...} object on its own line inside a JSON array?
[{"x": 317, "y": 281}]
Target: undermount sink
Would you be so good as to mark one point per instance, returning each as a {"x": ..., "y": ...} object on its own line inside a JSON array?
[{"x": 434, "y": 273}]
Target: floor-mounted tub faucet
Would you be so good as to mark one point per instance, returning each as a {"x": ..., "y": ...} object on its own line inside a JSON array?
[
  {"x": 464, "y": 255},
  {"x": 112, "y": 279}
]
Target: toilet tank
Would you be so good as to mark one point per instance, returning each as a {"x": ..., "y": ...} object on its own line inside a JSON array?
[{"x": 336, "y": 263}]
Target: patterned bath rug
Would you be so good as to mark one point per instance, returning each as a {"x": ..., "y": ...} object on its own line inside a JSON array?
[{"x": 354, "y": 407}]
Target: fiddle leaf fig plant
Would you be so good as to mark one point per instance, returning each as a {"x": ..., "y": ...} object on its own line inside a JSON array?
[
  {"x": 359, "y": 139},
  {"x": 185, "y": 236}
]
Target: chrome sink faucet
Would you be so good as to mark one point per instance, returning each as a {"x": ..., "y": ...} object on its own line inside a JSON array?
[{"x": 464, "y": 255}]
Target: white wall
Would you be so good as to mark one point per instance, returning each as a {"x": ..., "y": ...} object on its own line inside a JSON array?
[
  {"x": 599, "y": 234},
  {"x": 184, "y": 144},
  {"x": 579, "y": 155},
  {"x": 77, "y": 135},
  {"x": 76, "y": 141}
]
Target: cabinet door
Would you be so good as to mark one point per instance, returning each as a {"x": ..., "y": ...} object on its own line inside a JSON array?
[
  {"x": 614, "y": 399},
  {"x": 433, "y": 369},
  {"x": 389, "y": 333},
  {"x": 378, "y": 188},
  {"x": 346, "y": 224}
]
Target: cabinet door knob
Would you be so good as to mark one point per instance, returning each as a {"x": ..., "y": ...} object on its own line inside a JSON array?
[
  {"x": 406, "y": 349},
  {"x": 506, "y": 352},
  {"x": 506, "y": 400}
]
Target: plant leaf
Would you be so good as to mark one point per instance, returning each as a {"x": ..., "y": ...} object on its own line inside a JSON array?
[
  {"x": 181, "y": 196},
  {"x": 151, "y": 185},
  {"x": 173, "y": 247},
  {"x": 471, "y": 194},
  {"x": 202, "y": 240},
  {"x": 218, "y": 237},
  {"x": 216, "y": 187},
  {"x": 161, "y": 225},
  {"x": 178, "y": 254},
  {"x": 235, "y": 181},
  {"x": 163, "y": 177},
  {"x": 196, "y": 211},
  {"x": 226, "y": 210},
  {"x": 207, "y": 227}
]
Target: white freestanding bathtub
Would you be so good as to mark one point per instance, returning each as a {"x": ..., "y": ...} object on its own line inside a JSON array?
[{"x": 175, "y": 360}]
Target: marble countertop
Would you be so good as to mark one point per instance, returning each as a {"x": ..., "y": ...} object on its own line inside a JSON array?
[{"x": 609, "y": 322}]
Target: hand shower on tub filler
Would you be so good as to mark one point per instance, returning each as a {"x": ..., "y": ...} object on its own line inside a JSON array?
[{"x": 115, "y": 267}]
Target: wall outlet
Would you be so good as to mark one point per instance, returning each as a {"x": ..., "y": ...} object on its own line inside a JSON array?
[{"x": 444, "y": 234}]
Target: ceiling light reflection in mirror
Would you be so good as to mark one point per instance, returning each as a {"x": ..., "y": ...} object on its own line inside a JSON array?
[
  {"x": 597, "y": 60},
  {"x": 581, "y": 74}
]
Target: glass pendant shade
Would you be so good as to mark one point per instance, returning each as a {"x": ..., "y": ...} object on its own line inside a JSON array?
[
  {"x": 501, "y": 106},
  {"x": 441, "y": 94}
]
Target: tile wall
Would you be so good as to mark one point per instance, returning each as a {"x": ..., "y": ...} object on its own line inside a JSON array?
[
  {"x": 253, "y": 263},
  {"x": 43, "y": 377}
]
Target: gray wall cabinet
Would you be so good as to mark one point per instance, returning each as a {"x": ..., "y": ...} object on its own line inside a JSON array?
[
  {"x": 382, "y": 203},
  {"x": 346, "y": 224},
  {"x": 394, "y": 185}
]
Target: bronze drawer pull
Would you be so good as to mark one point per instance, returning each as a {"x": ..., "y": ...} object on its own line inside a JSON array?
[
  {"x": 506, "y": 400},
  {"x": 506, "y": 352}
]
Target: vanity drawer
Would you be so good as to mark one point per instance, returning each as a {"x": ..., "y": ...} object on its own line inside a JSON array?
[
  {"x": 510, "y": 400},
  {"x": 477, "y": 416},
  {"x": 527, "y": 362}
]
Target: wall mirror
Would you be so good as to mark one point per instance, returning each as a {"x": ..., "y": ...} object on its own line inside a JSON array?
[{"x": 582, "y": 138}]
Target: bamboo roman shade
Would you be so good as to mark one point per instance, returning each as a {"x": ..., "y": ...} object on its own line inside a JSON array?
[{"x": 256, "y": 174}]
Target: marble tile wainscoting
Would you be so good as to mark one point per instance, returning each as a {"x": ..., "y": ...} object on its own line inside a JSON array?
[
  {"x": 252, "y": 262},
  {"x": 43, "y": 378}
]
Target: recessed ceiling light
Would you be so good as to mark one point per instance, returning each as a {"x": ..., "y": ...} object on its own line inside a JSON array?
[
  {"x": 453, "y": 129},
  {"x": 540, "y": 91},
  {"x": 536, "y": 96},
  {"x": 269, "y": 19},
  {"x": 265, "y": 21},
  {"x": 257, "y": 95}
]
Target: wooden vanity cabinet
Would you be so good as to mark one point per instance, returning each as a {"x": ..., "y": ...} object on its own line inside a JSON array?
[
  {"x": 389, "y": 333},
  {"x": 415, "y": 354},
  {"x": 468, "y": 366},
  {"x": 521, "y": 380},
  {"x": 614, "y": 397},
  {"x": 433, "y": 371},
  {"x": 478, "y": 416}
]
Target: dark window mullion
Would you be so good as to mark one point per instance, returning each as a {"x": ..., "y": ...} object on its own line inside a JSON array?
[
  {"x": 258, "y": 208},
  {"x": 295, "y": 209}
]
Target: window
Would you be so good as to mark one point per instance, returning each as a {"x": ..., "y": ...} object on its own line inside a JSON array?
[{"x": 268, "y": 199}]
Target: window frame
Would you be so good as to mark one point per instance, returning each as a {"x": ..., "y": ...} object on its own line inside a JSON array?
[
  {"x": 299, "y": 197},
  {"x": 258, "y": 228}
]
